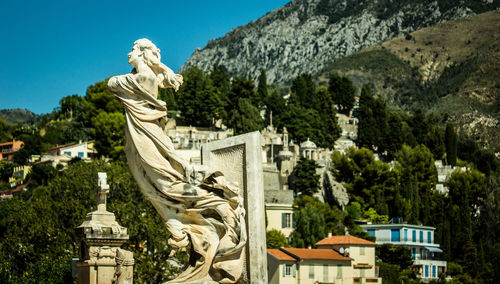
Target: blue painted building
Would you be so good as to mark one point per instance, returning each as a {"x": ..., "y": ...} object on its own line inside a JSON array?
[{"x": 420, "y": 241}]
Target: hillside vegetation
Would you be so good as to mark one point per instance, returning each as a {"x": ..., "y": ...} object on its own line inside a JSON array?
[{"x": 451, "y": 69}]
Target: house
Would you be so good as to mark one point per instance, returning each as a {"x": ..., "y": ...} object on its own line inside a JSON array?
[
  {"x": 8, "y": 149},
  {"x": 279, "y": 210},
  {"x": 82, "y": 150},
  {"x": 361, "y": 251},
  {"x": 344, "y": 259},
  {"x": 419, "y": 239}
]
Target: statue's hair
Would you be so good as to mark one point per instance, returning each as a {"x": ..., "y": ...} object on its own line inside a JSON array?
[{"x": 166, "y": 77}]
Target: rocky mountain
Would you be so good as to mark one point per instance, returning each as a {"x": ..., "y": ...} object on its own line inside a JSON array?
[
  {"x": 307, "y": 35},
  {"x": 450, "y": 69}
]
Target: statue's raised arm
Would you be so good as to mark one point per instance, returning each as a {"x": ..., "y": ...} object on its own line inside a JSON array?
[{"x": 209, "y": 214}]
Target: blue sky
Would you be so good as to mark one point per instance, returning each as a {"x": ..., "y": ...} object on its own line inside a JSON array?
[{"x": 52, "y": 49}]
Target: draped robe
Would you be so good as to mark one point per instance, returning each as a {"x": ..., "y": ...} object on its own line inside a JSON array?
[{"x": 209, "y": 214}]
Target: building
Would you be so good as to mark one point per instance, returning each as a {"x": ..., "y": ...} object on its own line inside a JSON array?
[
  {"x": 8, "y": 149},
  {"x": 362, "y": 253},
  {"x": 419, "y": 239},
  {"x": 339, "y": 259},
  {"x": 279, "y": 211},
  {"x": 82, "y": 150}
]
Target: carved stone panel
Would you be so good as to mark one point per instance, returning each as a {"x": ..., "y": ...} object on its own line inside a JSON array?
[{"x": 240, "y": 159}]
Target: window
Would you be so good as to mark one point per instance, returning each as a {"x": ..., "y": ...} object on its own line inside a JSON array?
[
  {"x": 311, "y": 271},
  {"x": 371, "y": 232},
  {"x": 339, "y": 271},
  {"x": 287, "y": 269},
  {"x": 286, "y": 220},
  {"x": 406, "y": 235},
  {"x": 414, "y": 236},
  {"x": 395, "y": 237},
  {"x": 362, "y": 251},
  {"x": 80, "y": 154},
  {"x": 325, "y": 272},
  {"x": 68, "y": 153},
  {"x": 433, "y": 271},
  {"x": 421, "y": 236},
  {"x": 362, "y": 273},
  {"x": 426, "y": 272},
  {"x": 429, "y": 237},
  {"x": 413, "y": 253}
]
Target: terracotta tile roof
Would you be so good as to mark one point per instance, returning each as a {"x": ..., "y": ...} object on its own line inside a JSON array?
[
  {"x": 328, "y": 254},
  {"x": 344, "y": 240},
  {"x": 279, "y": 254}
]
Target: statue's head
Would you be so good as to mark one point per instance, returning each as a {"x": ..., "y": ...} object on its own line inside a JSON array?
[{"x": 145, "y": 51}]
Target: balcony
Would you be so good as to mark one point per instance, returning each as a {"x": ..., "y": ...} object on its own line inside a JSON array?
[{"x": 370, "y": 280}]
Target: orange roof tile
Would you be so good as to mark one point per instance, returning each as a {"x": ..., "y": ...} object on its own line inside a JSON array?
[
  {"x": 344, "y": 240},
  {"x": 328, "y": 254},
  {"x": 279, "y": 254}
]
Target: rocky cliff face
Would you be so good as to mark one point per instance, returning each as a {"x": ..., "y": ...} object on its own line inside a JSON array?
[{"x": 305, "y": 35}]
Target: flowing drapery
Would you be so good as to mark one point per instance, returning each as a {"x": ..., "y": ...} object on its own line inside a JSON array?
[{"x": 209, "y": 215}]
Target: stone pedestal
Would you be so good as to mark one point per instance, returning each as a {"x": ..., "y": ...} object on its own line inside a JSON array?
[
  {"x": 101, "y": 259},
  {"x": 240, "y": 159}
]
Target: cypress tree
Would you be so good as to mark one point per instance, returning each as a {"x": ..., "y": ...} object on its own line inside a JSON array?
[{"x": 450, "y": 138}]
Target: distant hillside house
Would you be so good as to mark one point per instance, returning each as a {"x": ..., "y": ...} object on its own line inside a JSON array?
[
  {"x": 8, "y": 149},
  {"x": 325, "y": 264},
  {"x": 82, "y": 150},
  {"x": 419, "y": 239},
  {"x": 279, "y": 210}
]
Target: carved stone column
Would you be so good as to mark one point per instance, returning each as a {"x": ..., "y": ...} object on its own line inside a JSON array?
[{"x": 101, "y": 259}]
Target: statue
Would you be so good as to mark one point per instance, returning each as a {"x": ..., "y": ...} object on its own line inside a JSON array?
[{"x": 207, "y": 214}]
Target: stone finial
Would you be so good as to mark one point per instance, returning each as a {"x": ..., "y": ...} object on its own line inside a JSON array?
[{"x": 102, "y": 191}]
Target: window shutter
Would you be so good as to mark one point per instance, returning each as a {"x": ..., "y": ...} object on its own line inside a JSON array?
[
  {"x": 293, "y": 220},
  {"x": 283, "y": 220},
  {"x": 284, "y": 270},
  {"x": 294, "y": 269}
]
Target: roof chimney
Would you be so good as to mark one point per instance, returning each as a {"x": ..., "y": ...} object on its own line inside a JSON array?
[
  {"x": 329, "y": 234},
  {"x": 309, "y": 247}
]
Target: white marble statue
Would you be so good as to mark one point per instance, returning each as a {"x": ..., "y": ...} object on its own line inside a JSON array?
[{"x": 208, "y": 214}]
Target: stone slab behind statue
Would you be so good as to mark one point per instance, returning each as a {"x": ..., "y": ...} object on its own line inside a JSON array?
[{"x": 240, "y": 159}]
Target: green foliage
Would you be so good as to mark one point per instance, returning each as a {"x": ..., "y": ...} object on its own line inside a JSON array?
[
  {"x": 310, "y": 226},
  {"x": 451, "y": 145},
  {"x": 38, "y": 239},
  {"x": 372, "y": 126},
  {"x": 109, "y": 132},
  {"x": 333, "y": 216},
  {"x": 275, "y": 239},
  {"x": 397, "y": 255},
  {"x": 304, "y": 179},
  {"x": 342, "y": 91},
  {"x": 418, "y": 177},
  {"x": 389, "y": 272},
  {"x": 368, "y": 181},
  {"x": 245, "y": 118},
  {"x": 199, "y": 101},
  {"x": 372, "y": 216},
  {"x": 262, "y": 92}
]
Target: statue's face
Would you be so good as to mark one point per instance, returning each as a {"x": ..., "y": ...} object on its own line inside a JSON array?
[{"x": 134, "y": 56}]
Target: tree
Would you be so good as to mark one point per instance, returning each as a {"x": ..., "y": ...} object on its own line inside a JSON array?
[
  {"x": 450, "y": 140},
  {"x": 262, "y": 93},
  {"x": 200, "y": 103},
  {"x": 303, "y": 91},
  {"x": 342, "y": 91},
  {"x": 109, "y": 134},
  {"x": 245, "y": 117},
  {"x": 372, "y": 126},
  {"x": 309, "y": 226},
  {"x": 330, "y": 128},
  {"x": 275, "y": 239},
  {"x": 391, "y": 254},
  {"x": 305, "y": 180}
]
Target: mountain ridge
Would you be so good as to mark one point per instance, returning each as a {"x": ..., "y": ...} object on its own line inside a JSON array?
[{"x": 304, "y": 36}]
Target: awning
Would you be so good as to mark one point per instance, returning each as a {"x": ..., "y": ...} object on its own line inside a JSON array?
[{"x": 434, "y": 249}]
